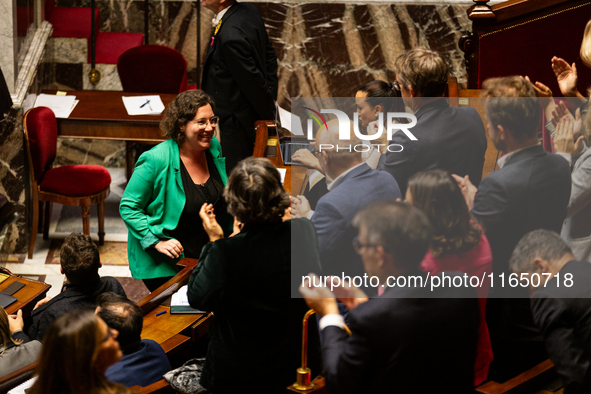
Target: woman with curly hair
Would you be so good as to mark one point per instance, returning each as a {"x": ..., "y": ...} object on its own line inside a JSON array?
[
  {"x": 248, "y": 277},
  {"x": 77, "y": 350},
  {"x": 170, "y": 183},
  {"x": 458, "y": 244}
]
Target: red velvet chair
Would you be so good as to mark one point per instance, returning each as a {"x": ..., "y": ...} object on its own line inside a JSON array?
[
  {"x": 152, "y": 69},
  {"x": 77, "y": 185}
]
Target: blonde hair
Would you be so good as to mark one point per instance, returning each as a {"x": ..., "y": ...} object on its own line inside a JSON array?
[{"x": 586, "y": 46}]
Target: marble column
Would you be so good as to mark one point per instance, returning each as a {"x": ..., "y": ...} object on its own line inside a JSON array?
[{"x": 8, "y": 42}]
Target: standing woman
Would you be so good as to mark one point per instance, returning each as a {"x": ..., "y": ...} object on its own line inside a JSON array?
[
  {"x": 458, "y": 244},
  {"x": 169, "y": 185},
  {"x": 77, "y": 350}
]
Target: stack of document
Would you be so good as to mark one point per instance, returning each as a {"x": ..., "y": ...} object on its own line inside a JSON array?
[
  {"x": 62, "y": 106},
  {"x": 179, "y": 302},
  {"x": 143, "y": 105}
]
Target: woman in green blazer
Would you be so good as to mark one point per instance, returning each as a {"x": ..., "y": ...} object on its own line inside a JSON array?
[{"x": 170, "y": 183}]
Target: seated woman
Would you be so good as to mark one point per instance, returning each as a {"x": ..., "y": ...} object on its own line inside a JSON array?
[
  {"x": 77, "y": 350},
  {"x": 246, "y": 281},
  {"x": 16, "y": 349},
  {"x": 170, "y": 182},
  {"x": 458, "y": 244}
]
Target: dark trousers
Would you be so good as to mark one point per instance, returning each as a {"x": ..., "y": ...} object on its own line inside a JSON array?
[{"x": 237, "y": 141}]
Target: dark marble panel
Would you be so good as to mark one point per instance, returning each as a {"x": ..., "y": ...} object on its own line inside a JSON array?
[
  {"x": 69, "y": 76},
  {"x": 12, "y": 177}
]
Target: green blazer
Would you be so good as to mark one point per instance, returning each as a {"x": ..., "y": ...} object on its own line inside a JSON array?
[{"x": 153, "y": 202}]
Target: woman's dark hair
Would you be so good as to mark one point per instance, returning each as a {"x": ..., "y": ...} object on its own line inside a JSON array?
[
  {"x": 383, "y": 93},
  {"x": 69, "y": 355},
  {"x": 181, "y": 110},
  {"x": 438, "y": 195},
  {"x": 254, "y": 193}
]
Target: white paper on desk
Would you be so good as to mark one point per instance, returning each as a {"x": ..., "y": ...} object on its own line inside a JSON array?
[
  {"x": 61, "y": 106},
  {"x": 143, "y": 105},
  {"x": 282, "y": 172},
  {"x": 285, "y": 118},
  {"x": 180, "y": 298}
]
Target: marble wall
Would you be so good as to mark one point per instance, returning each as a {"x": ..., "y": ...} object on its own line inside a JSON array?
[
  {"x": 325, "y": 49},
  {"x": 12, "y": 176}
]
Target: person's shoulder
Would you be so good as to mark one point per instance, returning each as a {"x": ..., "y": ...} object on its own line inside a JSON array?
[{"x": 159, "y": 154}]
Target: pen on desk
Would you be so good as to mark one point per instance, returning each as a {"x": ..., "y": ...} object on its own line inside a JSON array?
[
  {"x": 160, "y": 313},
  {"x": 144, "y": 104}
]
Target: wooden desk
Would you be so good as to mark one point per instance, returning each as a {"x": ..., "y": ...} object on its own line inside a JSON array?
[
  {"x": 102, "y": 115},
  {"x": 28, "y": 296},
  {"x": 172, "y": 332}
]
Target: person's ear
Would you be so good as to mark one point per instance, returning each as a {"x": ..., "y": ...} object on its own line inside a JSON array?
[
  {"x": 381, "y": 256},
  {"x": 62, "y": 270},
  {"x": 541, "y": 266},
  {"x": 413, "y": 93},
  {"x": 378, "y": 108},
  {"x": 325, "y": 157},
  {"x": 502, "y": 132}
]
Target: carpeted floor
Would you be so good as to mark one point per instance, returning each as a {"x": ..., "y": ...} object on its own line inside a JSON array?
[{"x": 112, "y": 253}]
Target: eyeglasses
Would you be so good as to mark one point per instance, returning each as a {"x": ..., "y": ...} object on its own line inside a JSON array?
[
  {"x": 213, "y": 121},
  {"x": 109, "y": 335},
  {"x": 357, "y": 245}
]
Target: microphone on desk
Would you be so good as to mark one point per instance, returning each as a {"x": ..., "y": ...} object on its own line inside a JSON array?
[{"x": 304, "y": 381}]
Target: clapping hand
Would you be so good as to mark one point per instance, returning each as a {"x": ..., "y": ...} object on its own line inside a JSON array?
[
  {"x": 351, "y": 296},
  {"x": 320, "y": 299},
  {"x": 564, "y": 139},
  {"x": 15, "y": 322},
  {"x": 300, "y": 207},
  {"x": 544, "y": 92},
  {"x": 210, "y": 224},
  {"x": 566, "y": 75},
  {"x": 561, "y": 111},
  {"x": 467, "y": 188}
]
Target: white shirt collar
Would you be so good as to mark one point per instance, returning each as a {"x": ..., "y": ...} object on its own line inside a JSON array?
[
  {"x": 218, "y": 17},
  {"x": 503, "y": 160},
  {"x": 338, "y": 179}
]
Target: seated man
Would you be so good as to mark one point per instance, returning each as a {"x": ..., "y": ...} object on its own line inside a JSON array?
[
  {"x": 80, "y": 262},
  {"x": 402, "y": 341},
  {"x": 561, "y": 303},
  {"x": 354, "y": 186},
  {"x": 449, "y": 138},
  {"x": 143, "y": 362}
]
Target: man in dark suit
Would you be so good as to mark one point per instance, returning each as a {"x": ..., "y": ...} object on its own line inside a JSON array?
[
  {"x": 240, "y": 73},
  {"x": 354, "y": 186},
  {"x": 561, "y": 303},
  {"x": 144, "y": 361},
  {"x": 530, "y": 191},
  {"x": 449, "y": 138},
  {"x": 80, "y": 262},
  {"x": 402, "y": 341}
]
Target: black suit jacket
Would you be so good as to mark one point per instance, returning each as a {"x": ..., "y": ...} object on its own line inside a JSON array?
[
  {"x": 240, "y": 73},
  {"x": 71, "y": 299},
  {"x": 530, "y": 192},
  {"x": 449, "y": 138},
  {"x": 245, "y": 280},
  {"x": 563, "y": 314},
  {"x": 404, "y": 344}
]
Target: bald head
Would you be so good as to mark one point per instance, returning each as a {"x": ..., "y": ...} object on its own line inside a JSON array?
[{"x": 341, "y": 152}]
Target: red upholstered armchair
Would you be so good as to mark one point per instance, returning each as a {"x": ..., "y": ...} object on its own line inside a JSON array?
[
  {"x": 77, "y": 185},
  {"x": 152, "y": 69}
]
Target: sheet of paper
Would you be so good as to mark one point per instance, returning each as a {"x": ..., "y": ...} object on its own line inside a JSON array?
[
  {"x": 180, "y": 298},
  {"x": 143, "y": 105},
  {"x": 285, "y": 118},
  {"x": 61, "y": 106},
  {"x": 282, "y": 172}
]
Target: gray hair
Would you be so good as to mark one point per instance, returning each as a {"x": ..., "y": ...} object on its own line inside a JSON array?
[
  {"x": 403, "y": 231},
  {"x": 544, "y": 244}
]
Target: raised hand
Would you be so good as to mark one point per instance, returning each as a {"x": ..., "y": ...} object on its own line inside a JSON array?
[
  {"x": 210, "y": 224},
  {"x": 566, "y": 75}
]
